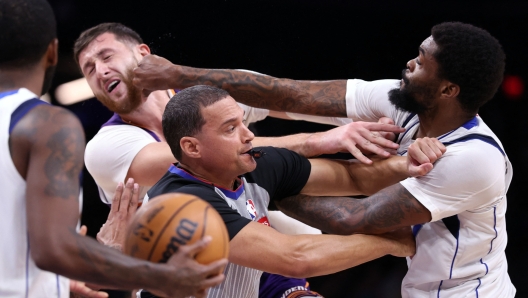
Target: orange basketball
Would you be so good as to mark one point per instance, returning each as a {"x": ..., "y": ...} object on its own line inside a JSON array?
[{"x": 171, "y": 220}]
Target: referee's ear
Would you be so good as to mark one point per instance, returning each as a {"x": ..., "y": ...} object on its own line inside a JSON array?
[{"x": 190, "y": 147}]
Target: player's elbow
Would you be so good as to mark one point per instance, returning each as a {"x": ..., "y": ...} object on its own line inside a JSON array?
[
  {"x": 350, "y": 223},
  {"x": 296, "y": 264},
  {"x": 296, "y": 268},
  {"x": 45, "y": 258},
  {"x": 50, "y": 254}
]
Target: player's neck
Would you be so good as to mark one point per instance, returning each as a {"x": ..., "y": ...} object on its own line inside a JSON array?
[
  {"x": 149, "y": 114},
  {"x": 435, "y": 124},
  {"x": 31, "y": 79}
]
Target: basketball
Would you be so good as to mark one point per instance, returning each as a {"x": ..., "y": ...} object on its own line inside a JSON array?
[{"x": 171, "y": 220}]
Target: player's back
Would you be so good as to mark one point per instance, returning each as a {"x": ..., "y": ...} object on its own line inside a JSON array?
[{"x": 19, "y": 276}]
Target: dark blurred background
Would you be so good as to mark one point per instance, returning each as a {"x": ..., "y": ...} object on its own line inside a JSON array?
[{"x": 316, "y": 40}]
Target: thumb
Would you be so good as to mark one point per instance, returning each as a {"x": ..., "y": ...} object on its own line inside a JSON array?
[
  {"x": 199, "y": 245},
  {"x": 421, "y": 169}
]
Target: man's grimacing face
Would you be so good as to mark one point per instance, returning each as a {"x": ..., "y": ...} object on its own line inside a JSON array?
[
  {"x": 107, "y": 64},
  {"x": 419, "y": 85}
]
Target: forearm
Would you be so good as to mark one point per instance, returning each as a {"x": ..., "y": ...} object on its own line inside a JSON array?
[
  {"x": 326, "y": 254},
  {"x": 82, "y": 258},
  {"x": 305, "y": 144},
  {"x": 391, "y": 208},
  {"x": 378, "y": 175},
  {"x": 296, "y": 142},
  {"x": 325, "y": 98}
]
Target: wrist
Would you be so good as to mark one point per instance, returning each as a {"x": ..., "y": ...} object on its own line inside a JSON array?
[
  {"x": 400, "y": 167},
  {"x": 157, "y": 280},
  {"x": 311, "y": 145}
]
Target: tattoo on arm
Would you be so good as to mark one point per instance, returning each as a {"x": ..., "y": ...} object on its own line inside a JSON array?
[
  {"x": 63, "y": 163},
  {"x": 65, "y": 144},
  {"x": 324, "y": 98},
  {"x": 389, "y": 209}
]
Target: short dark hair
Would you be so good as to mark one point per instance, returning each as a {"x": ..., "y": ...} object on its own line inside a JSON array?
[
  {"x": 27, "y": 27},
  {"x": 471, "y": 58},
  {"x": 121, "y": 32},
  {"x": 183, "y": 114}
]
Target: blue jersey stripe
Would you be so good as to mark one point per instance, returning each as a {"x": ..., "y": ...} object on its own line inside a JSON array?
[
  {"x": 476, "y": 290},
  {"x": 456, "y": 249},
  {"x": 58, "y": 286},
  {"x": 494, "y": 228},
  {"x": 7, "y": 93},
  {"x": 416, "y": 229},
  {"x": 475, "y": 136},
  {"x": 407, "y": 130},
  {"x": 22, "y": 110},
  {"x": 452, "y": 223},
  {"x": 484, "y": 265}
]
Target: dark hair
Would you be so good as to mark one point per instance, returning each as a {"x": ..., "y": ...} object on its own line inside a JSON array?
[
  {"x": 471, "y": 58},
  {"x": 121, "y": 32},
  {"x": 183, "y": 116},
  {"x": 27, "y": 28}
]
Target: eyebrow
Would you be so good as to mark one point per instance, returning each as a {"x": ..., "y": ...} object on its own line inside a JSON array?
[
  {"x": 421, "y": 50},
  {"x": 229, "y": 121},
  {"x": 233, "y": 119}
]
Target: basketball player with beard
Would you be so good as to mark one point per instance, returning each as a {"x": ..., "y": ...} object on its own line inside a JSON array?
[
  {"x": 458, "y": 209},
  {"x": 41, "y": 159}
]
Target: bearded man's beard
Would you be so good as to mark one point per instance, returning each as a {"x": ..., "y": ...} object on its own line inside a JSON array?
[
  {"x": 128, "y": 105},
  {"x": 405, "y": 99}
]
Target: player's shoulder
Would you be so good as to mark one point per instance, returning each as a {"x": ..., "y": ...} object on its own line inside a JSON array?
[
  {"x": 477, "y": 156},
  {"x": 44, "y": 119},
  {"x": 110, "y": 132},
  {"x": 118, "y": 136},
  {"x": 383, "y": 84}
]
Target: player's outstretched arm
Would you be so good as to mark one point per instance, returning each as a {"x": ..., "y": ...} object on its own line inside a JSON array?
[
  {"x": 391, "y": 208},
  {"x": 355, "y": 137},
  {"x": 52, "y": 141},
  {"x": 325, "y": 98},
  {"x": 261, "y": 247},
  {"x": 351, "y": 178}
]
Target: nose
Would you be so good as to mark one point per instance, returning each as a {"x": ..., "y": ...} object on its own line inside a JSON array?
[
  {"x": 248, "y": 135},
  {"x": 101, "y": 70},
  {"x": 411, "y": 65}
]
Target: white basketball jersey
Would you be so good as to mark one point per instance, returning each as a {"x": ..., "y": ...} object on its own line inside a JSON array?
[{"x": 19, "y": 276}]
